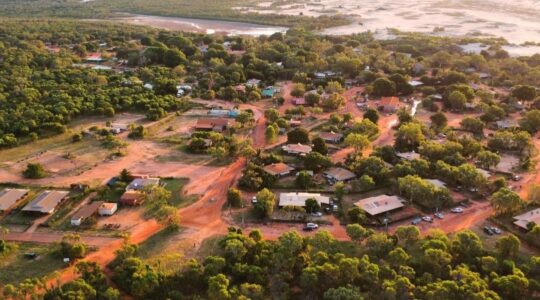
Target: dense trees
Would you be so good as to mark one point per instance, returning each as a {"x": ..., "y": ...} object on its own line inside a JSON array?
[
  {"x": 372, "y": 266},
  {"x": 34, "y": 171}
]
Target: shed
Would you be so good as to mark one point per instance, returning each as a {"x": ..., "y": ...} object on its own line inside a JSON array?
[
  {"x": 339, "y": 174},
  {"x": 107, "y": 209},
  {"x": 85, "y": 212},
  {"x": 278, "y": 169},
  {"x": 132, "y": 198}
]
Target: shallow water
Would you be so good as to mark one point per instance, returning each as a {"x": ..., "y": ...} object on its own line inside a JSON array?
[
  {"x": 203, "y": 26},
  {"x": 517, "y": 21}
]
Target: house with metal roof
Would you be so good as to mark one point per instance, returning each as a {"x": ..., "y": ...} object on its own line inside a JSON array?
[
  {"x": 299, "y": 199},
  {"x": 46, "y": 202},
  {"x": 377, "y": 205},
  {"x": 8, "y": 197}
]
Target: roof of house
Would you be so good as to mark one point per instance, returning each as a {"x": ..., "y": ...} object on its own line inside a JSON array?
[
  {"x": 340, "y": 174},
  {"x": 95, "y": 56},
  {"x": 330, "y": 136},
  {"x": 389, "y": 101},
  {"x": 297, "y": 148},
  {"x": 140, "y": 183},
  {"x": 380, "y": 204},
  {"x": 416, "y": 83},
  {"x": 436, "y": 182},
  {"x": 507, "y": 163},
  {"x": 277, "y": 168},
  {"x": 408, "y": 155},
  {"x": 46, "y": 202},
  {"x": 209, "y": 123},
  {"x": 299, "y": 199},
  {"x": 524, "y": 219},
  {"x": 299, "y": 101},
  {"x": 506, "y": 124},
  {"x": 87, "y": 210},
  {"x": 128, "y": 195},
  {"x": 8, "y": 197},
  {"x": 108, "y": 205}
]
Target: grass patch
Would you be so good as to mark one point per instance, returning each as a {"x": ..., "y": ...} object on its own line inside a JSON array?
[
  {"x": 14, "y": 267},
  {"x": 176, "y": 187}
]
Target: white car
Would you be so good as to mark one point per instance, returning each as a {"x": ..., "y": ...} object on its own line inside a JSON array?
[
  {"x": 439, "y": 215},
  {"x": 254, "y": 200},
  {"x": 457, "y": 210},
  {"x": 427, "y": 219},
  {"x": 311, "y": 226},
  {"x": 316, "y": 214}
]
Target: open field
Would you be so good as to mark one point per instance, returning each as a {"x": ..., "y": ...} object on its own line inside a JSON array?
[{"x": 14, "y": 267}]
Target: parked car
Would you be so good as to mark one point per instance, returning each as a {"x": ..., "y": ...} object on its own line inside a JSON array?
[
  {"x": 496, "y": 230},
  {"x": 310, "y": 226},
  {"x": 488, "y": 230},
  {"x": 335, "y": 208},
  {"x": 416, "y": 221},
  {"x": 427, "y": 219},
  {"x": 457, "y": 210},
  {"x": 439, "y": 215},
  {"x": 516, "y": 178},
  {"x": 254, "y": 200},
  {"x": 316, "y": 214}
]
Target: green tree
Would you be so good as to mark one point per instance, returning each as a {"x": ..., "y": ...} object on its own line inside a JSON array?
[
  {"x": 507, "y": 246},
  {"x": 357, "y": 141},
  {"x": 457, "y": 100},
  {"x": 34, "y": 171},
  {"x": 524, "y": 92},
  {"x": 372, "y": 115},
  {"x": 266, "y": 201},
  {"x": 383, "y": 87},
  {"x": 439, "y": 120},
  {"x": 234, "y": 197},
  {"x": 303, "y": 180},
  {"x": 319, "y": 146},
  {"x": 356, "y": 232},
  {"x": 312, "y": 205},
  {"x": 487, "y": 159},
  {"x": 298, "y": 136},
  {"x": 506, "y": 201}
]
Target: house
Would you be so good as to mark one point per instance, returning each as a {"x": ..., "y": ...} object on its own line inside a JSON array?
[
  {"x": 522, "y": 221},
  {"x": 212, "y": 124},
  {"x": 506, "y": 124},
  {"x": 148, "y": 86},
  {"x": 297, "y": 149},
  {"x": 408, "y": 155},
  {"x": 389, "y": 104},
  {"x": 331, "y": 137},
  {"x": 507, "y": 163},
  {"x": 319, "y": 75},
  {"x": 295, "y": 123},
  {"x": 117, "y": 128},
  {"x": 278, "y": 169},
  {"x": 269, "y": 92},
  {"x": 132, "y": 198},
  {"x": 416, "y": 83},
  {"x": 483, "y": 75},
  {"x": 9, "y": 197},
  {"x": 436, "y": 182},
  {"x": 223, "y": 113},
  {"x": 298, "y": 101},
  {"x": 46, "y": 202},
  {"x": 107, "y": 209},
  {"x": 253, "y": 83},
  {"x": 377, "y": 205},
  {"x": 85, "y": 212},
  {"x": 240, "y": 88},
  {"x": 94, "y": 57},
  {"x": 299, "y": 199},
  {"x": 138, "y": 184},
  {"x": 339, "y": 174}
]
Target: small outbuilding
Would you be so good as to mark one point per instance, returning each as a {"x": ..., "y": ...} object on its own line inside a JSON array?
[
  {"x": 297, "y": 149},
  {"x": 107, "y": 209},
  {"x": 85, "y": 212},
  {"x": 331, "y": 137}
]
